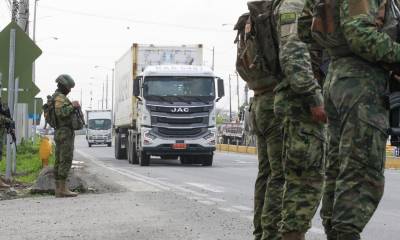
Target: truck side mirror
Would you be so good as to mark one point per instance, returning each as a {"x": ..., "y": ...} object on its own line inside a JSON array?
[
  {"x": 136, "y": 87},
  {"x": 221, "y": 89}
]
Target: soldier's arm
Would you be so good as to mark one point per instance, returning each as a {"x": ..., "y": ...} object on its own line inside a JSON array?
[
  {"x": 294, "y": 56},
  {"x": 63, "y": 107},
  {"x": 305, "y": 22},
  {"x": 362, "y": 35},
  {"x": 5, "y": 120}
]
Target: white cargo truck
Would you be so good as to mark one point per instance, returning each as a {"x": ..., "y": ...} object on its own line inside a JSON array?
[
  {"x": 164, "y": 105},
  {"x": 99, "y": 129}
]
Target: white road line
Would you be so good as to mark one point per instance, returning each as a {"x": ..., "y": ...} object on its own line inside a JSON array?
[
  {"x": 230, "y": 210},
  {"x": 206, "y": 187},
  {"x": 216, "y": 199},
  {"x": 208, "y": 203},
  {"x": 243, "y": 208},
  {"x": 93, "y": 159}
]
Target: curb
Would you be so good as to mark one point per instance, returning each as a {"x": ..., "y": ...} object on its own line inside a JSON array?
[{"x": 391, "y": 162}]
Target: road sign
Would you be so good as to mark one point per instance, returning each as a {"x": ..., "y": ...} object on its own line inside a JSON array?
[{"x": 26, "y": 51}]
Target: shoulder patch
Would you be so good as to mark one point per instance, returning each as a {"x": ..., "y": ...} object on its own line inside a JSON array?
[{"x": 288, "y": 18}]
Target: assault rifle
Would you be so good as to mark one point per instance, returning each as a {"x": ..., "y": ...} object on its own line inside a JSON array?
[{"x": 10, "y": 127}]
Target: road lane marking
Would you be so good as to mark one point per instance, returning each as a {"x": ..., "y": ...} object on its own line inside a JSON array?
[
  {"x": 206, "y": 187},
  {"x": 94, "y": 160},
  {"x": 229, "y": 210},
  {"x": 216, "y": 199},
  {"x": 206, "y": 202},
  {"x": 243, "y": 208}
]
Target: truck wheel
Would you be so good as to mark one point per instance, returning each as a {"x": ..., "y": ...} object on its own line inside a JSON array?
[
  {"x": 132, "y": 156},
  {"x": 109, "y": 144},
  {"x": 90, "y": 145},
  {"x": 186, "y": 160},
  {"x": 207, "y": 160},
  {"x": 144, "y": 158},
  {"x": 120, "y": 153}
]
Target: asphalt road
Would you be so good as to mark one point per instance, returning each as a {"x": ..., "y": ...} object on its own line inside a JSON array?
[{"x": 166, "y": 201}]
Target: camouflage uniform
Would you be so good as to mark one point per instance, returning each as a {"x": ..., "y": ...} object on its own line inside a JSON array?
[
  {"x": 304, "y": 139},
  {"x": 357, "y": 117},
  {"x": 270, "y": 179},
  {"x": 64, "y": 136}
]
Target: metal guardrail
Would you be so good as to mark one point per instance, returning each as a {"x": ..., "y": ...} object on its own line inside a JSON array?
[{"x": 391, "y": 162}]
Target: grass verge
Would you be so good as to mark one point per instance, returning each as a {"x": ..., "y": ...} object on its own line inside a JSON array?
[{"x": 29, "y": 164}]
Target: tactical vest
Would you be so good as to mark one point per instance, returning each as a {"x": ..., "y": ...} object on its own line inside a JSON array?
[
  {"x": 257, "y": 47},
  {"x": 326, "y": 28}
]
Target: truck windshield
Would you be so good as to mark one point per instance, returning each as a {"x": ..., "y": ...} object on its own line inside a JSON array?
[
  {"x": 99, "y": 124},
  {"x": 189, "y": 88}
]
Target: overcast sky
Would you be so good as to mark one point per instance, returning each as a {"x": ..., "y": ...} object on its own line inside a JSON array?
[{"x": 94, "y": 32}]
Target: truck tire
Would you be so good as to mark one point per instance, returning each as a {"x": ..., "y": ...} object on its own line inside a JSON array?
[
  {"x": 120, "y": 153},
  {"x": 186, "y": 160},
  {"x": 132, "y": 155},
  {"x": 144, "y": 158},
  {"x": 109, "y": 144},
  {"x": 207, "y": 160},
  {"x": 90, "y": 145}
]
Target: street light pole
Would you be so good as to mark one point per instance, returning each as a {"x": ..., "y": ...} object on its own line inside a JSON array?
[
  {"x": 230, "y": 100},
  {"x": 107, "y": 92},
  {"x": 237, "y": 90}
]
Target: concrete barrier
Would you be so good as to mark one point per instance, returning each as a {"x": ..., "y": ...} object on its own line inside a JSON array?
[{"x": 391, "y": 162}]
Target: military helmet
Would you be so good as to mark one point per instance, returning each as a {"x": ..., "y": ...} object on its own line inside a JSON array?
[{"x": 66, "y": 80}]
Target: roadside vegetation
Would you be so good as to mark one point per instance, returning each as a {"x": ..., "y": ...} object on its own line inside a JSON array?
[{"x": 29, "y": 164}]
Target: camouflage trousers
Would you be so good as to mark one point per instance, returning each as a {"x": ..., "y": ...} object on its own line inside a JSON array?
[
  {"x": 270, "y": 179},
  {"x": 357, "y": 134},
  {"x": 64, "y": 139},
  {"x": 303, "y": 159}
]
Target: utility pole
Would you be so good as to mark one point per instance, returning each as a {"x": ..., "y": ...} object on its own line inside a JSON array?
[
  {"x": 112, "y": 97},
  {"x": 102, "y": 99},
  {"x": 23, "y": 15},
  {"x": 213, "y": 58},
  {"x": 230, "y": 100},
  {"x": 107, "y": 92},
  {"x": 237, "y": 90},
  {"x": 246, "y": 95},
  {"x": 14, "y": 10}
]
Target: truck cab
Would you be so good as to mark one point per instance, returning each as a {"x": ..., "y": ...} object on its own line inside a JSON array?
[
  {"x": 176, "y": 114},
  {"x": 99, "y": 129}
]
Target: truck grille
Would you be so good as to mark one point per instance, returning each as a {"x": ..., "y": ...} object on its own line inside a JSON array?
[
  {"x": 178, "y": 110},
  {"x": 178, "y": 120},
  {"x": 180, "y": 132}
]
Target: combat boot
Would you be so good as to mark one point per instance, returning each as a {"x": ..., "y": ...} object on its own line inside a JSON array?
[
  {"x": 3, "y": 185},
  {"x": 293, "y": 236},
  {"x": 64, "y": 191},
  {"x": 57, "y": 191}
]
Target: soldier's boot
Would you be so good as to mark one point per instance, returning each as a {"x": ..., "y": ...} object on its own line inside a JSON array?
[
  {"x": 64, "y": 191},
  {"x": 57, "y": 190},
  {"x": 3, "y": 185},
  {"x": 294, "y": 236}
]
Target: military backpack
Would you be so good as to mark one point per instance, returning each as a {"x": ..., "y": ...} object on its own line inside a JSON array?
[
  {"x": 49, "y": 112},
  {"x": 257, "y": 59}
]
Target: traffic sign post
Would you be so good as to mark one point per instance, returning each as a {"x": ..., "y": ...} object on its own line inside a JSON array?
[{"x": 19, "y": 54}]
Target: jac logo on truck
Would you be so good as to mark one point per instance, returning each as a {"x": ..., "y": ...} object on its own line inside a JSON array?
[{"x": 180, "y": 110}]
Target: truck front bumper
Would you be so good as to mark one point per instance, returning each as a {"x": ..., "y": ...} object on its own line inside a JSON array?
[{"x": 167, "y": 149}]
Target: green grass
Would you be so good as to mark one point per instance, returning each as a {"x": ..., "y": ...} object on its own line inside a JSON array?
[{"x": 29, "y": 164}]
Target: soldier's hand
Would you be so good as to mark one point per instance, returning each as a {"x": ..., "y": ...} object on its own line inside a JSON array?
[
  {"x": 76, "y": 104},
  {"x": 318, "y": 114}
]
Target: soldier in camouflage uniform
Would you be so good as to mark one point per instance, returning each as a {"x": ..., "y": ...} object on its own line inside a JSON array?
[
  {"x": 268, "y": 131},
  {"x": 64, "y": 134},
  {"x": 299, "y": 103},
  {"x": 3, "y": 122},
  {"x": 357, "y": 116},
  {"x": 270, "y": 179}
]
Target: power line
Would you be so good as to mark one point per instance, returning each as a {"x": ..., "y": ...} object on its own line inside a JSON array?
[{"x": 86, "y": 14}]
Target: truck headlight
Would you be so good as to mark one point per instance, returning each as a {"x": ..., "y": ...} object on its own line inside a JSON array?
[
  {"x": 148, "y": 137},
  {"x": 210, "y": 137}
]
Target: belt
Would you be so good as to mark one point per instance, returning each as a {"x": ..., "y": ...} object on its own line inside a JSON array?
[{"x": 262, "y": 90}]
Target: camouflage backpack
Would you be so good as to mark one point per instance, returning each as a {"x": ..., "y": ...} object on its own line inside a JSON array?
[
  {"x": 49, "y": 112},
  {"x": 257, "y": 47}
]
